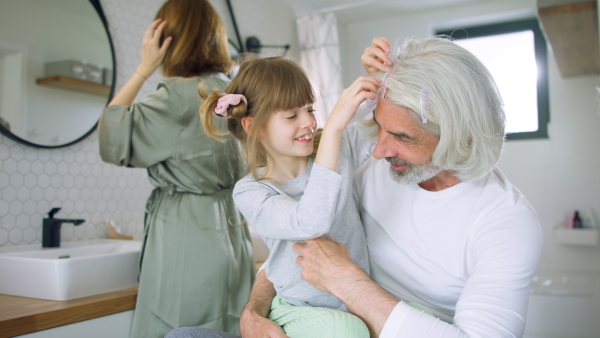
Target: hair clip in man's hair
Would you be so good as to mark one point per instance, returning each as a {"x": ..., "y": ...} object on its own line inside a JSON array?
[
  {"x": 424, "y": 102},
  {"x": 386, "y": 80},
  {"x": 369, "y": 104}
]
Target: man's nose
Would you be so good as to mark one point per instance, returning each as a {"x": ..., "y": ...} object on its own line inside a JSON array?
[{"x": 384, "y": 148}]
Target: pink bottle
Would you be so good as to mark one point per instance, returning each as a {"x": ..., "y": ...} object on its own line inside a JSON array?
[{"x": 569, "y": 220}]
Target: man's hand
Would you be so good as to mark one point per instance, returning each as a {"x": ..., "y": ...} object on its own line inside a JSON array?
[
  {"x": 375, "y": 58},
  {"x": 327, "y": 264},
  {"x": 253, "y": 325},
  {"x": 254, "y": 322},
  {"x": 328, "y": 267}
]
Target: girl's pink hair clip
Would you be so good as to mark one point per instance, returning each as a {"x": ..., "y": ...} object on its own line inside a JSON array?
[{"x": 221, "y": 110}]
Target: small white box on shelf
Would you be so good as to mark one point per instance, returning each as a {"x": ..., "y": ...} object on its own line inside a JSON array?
[
  {"x": 578, "y": 236},
  {"x": 94, "y": 73}
]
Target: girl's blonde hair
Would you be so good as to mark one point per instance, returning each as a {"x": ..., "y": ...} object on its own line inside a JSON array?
[
  {"x": 270, "y": 85},
  {"x": 199, "y": 42}
]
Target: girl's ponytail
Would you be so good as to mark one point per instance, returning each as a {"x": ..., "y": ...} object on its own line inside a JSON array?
[{"x": 206, "y": 114}]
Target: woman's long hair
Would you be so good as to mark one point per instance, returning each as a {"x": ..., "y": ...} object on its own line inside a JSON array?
[{"x": 199, "y": 42}]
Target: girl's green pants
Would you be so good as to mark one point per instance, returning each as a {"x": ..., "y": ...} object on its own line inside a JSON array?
[{"x": 314, "y": 322}]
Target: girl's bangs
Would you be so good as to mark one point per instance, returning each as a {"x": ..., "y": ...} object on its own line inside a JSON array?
[{"x": 293, "y": 90}]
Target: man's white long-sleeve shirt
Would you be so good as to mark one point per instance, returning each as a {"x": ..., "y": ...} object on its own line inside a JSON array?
[{"x": 468, "y": 253}]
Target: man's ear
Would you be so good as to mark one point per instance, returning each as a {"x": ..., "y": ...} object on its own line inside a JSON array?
[{"x": 247, "y": 122}]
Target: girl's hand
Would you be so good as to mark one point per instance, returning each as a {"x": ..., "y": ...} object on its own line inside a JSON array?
[
  {"x": 152, "y": 53},
  {"x": 363, "y": 88},
  {"x": 375, "y": 58}
]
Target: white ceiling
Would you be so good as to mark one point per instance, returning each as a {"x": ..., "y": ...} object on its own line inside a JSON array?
[{"x": 353, "y": 10}]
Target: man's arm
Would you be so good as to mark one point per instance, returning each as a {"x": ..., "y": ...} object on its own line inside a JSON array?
[
  {"x": 254, "y": 321},
  {"x": 327, "y": 266}
]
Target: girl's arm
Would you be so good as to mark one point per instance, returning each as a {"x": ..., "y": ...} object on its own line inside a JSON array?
[
  {"x": 152, "y": 57},
  {"x": 329, "y": 146},
  {"x": 273, "y": 213}
]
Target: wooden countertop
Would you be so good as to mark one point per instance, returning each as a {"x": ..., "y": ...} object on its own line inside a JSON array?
[{"x": 20, "y": 315}]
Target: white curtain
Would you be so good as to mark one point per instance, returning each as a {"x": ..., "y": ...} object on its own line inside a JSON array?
[{"x": 320, "y": 57}]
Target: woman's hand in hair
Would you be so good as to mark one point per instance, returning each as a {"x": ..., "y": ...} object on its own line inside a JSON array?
[
  {"x": 375, "y": 58},
  {"x": 153, "y": 53},
  {"x": 152, "y": 57}
]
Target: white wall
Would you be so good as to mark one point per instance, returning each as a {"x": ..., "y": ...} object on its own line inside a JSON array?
[
  {"x": 34, "y": 180},
  {"x": 558, "y": 174}
]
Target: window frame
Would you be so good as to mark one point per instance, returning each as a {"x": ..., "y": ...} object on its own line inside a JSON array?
[{"x": 541, "y": 59}]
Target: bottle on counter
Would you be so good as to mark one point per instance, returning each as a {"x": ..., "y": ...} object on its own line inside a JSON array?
[{"x": 577, "y": 223}]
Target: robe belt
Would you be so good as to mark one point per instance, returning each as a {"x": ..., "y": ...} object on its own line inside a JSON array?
[{"x": 172, "y": 189}]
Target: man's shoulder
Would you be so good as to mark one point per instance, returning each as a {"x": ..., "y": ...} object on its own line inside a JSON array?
[
  {"x": 497, "y": 184},
  {"x": 501, "y": 199}
]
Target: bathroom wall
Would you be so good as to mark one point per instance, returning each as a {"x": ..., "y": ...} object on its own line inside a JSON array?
[
  {"x": 559, "y": 174},
  {"x": 34, "y": 180}
]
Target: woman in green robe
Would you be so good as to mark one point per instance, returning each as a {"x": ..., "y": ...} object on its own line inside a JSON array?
[{"x": 197, "y": 264}]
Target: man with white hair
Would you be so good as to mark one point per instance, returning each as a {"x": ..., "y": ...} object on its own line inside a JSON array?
[
  {"x": 453, "y": 246},
  {"x": 445, "y": 229}
]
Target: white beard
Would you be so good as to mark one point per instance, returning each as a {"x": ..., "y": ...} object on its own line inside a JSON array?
[{"x": 416, "y": 173}]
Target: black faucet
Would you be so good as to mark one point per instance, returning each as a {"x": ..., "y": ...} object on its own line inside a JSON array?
[{"x": 51, "y": 229}]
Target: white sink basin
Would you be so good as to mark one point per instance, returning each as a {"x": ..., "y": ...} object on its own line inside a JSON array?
[{"x": 75, "y": 270}]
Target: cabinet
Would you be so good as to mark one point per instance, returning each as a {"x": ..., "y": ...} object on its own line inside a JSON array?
[
  {"x": 117, "y": 325},
  {"x": 21, "y": 316}
]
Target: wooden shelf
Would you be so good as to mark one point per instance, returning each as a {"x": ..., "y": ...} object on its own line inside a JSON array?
[
  {"x": 70, "y": 83},
  {"x": 577, "y": 236}
]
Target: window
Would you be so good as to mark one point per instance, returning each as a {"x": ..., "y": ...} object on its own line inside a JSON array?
[{"x": 515, "y": 54}]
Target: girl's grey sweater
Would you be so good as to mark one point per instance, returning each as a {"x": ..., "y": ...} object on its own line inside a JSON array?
[{"x": 319, "y": 202}]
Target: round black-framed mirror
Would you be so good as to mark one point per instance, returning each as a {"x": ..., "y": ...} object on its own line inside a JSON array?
[{"x": 58, "y": 74}]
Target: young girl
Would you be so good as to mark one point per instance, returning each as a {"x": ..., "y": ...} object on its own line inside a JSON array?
[{"x": 289, "y": 195}]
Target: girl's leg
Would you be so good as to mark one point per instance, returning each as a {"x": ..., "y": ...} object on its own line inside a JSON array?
[{"x": 306, "y": 321}]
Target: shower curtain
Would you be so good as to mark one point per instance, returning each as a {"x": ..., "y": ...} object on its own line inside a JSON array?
[{"x": 320, "y": 57}]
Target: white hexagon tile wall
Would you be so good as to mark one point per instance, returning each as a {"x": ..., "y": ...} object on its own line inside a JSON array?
[{"x": 74, "y": 178}]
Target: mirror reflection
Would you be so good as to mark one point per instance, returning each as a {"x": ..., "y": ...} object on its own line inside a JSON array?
[{"x": 56, "y": 70}]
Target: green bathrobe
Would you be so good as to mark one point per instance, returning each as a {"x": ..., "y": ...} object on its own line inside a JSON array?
[{"x": 197, "y": 265}]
